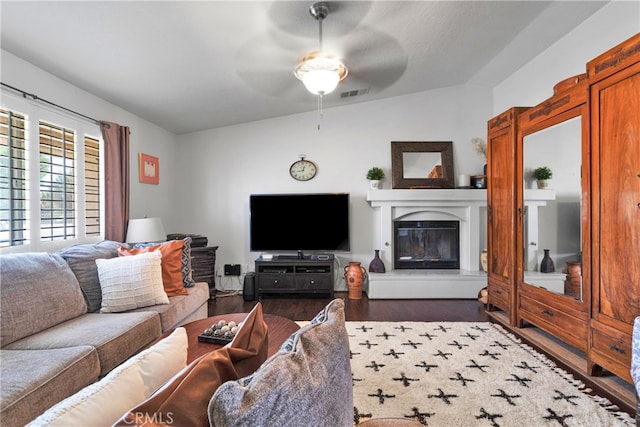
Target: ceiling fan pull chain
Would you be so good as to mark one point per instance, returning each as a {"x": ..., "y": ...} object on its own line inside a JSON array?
[{"x": 319, "y": 109}]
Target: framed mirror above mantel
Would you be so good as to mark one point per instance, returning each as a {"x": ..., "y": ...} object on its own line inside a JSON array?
[{"x": 420, "y": 164}]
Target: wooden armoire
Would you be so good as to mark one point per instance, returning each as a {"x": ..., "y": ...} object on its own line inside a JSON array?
[
  {"x": 614, "y": 96},
  {"x": 593, "y": 121}
]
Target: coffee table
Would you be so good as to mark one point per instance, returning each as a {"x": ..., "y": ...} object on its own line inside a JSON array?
[{"x": 279, "y": 329}]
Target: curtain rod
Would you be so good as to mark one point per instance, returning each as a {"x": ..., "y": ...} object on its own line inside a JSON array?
[{"x": 53, "y": 104}]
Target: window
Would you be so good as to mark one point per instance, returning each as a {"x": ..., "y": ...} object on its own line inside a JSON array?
[{"x": 50, "y": 185}]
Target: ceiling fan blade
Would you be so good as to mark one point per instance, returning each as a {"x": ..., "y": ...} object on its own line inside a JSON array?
[
  {"x": 375, "y": 60},
  {"x": 266, "y": 63},
  {"x": 292, "y": 17}
]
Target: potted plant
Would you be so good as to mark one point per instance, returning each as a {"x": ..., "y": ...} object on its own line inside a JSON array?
[
  {"x": 374, "y": 175},
  {"x": 542, "y": 175}
]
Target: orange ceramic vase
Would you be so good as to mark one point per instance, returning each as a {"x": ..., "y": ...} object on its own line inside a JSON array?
[{"x": 354, "y": 275}]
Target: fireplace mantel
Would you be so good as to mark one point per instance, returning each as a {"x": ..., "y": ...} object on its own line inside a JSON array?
[{"x": 466, "y": 205}]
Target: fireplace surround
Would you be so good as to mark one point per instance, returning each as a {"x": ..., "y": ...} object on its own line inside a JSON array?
[{"x": 468, "y": 208}]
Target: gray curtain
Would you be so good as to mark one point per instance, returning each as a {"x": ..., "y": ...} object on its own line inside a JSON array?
[{"x": 116, "y": 161}]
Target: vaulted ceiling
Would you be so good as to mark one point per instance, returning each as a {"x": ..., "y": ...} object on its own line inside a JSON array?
[{"x": 189, "y": 66}]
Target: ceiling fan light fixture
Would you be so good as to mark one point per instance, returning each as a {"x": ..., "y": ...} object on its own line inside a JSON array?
[{"x": 320, "y": 74}]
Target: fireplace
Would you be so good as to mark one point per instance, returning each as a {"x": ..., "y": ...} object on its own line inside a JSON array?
[
  {"x": 427, "y": 245},
  {"x": 467, "y": 207}
]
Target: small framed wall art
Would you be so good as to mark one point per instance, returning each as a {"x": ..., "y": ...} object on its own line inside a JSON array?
[{"x": 149, "y": 169}]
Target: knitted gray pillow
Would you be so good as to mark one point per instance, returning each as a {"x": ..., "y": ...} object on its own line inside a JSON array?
[
  {"x": 82, "y": 260},
  {"x": 307, "y": 385}
]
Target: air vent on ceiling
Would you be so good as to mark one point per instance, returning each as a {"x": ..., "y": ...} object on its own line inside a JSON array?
[{"x": 351, "y": 93}]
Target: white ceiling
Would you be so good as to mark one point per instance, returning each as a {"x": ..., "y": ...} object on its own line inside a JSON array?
[{"x": 189, "y": 66}]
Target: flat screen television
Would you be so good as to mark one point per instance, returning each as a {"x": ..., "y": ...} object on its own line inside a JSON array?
[{"x": 299, "y": 222}]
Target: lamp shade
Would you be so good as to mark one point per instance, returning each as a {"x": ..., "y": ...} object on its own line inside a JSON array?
[
  {"x": 320, "y": 74},
  {"x": 145, "y": 230}
]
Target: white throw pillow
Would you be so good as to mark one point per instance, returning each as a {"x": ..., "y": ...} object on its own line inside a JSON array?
[
  {"x": 104, "y": 402},
  {"x": 131, "y": 282}
]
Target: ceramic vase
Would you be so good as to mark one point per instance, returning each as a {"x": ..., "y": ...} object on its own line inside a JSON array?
[
  {"x": 354, "y": 275},
  {"x": 573, "y": 280},
  {"x": 547, "y": 266},
  {"x": 376, "y": 265},
  {"x": 484, "y": 261}
]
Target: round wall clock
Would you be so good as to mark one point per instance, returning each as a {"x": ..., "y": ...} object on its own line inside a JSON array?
[{"x": 303, "y": 170}]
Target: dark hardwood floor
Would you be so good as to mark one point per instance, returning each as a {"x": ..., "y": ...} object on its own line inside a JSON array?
[{"x": 304, "y": 308}]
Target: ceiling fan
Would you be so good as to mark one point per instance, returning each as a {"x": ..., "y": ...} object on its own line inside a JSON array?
[
  {"x": 267, "y": 61},
  {"x": 319, "y": 71}
]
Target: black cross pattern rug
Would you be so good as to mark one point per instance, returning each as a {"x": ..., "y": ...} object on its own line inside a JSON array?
[{"x": 465, "y": 374}]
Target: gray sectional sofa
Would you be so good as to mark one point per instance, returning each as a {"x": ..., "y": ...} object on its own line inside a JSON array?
[{"x": 53, "y": 339}]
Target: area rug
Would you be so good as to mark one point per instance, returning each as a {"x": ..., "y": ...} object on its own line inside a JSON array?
[{"x": 465, "y": 374}]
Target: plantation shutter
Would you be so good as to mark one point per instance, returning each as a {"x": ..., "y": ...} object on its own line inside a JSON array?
[
  {"x": 57, "y": 182},
  {"x": 13, "y": 180},
  {"x": 92, "y": 186}
]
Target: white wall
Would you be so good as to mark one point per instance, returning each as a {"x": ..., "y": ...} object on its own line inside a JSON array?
[
  {"x": 533, "y": 83},
  {"x": 146, "y": 199},
  {"x": 228, "y": 164}
]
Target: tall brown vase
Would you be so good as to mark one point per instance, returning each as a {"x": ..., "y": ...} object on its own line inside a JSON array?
[{"x": 354, "y": 275}]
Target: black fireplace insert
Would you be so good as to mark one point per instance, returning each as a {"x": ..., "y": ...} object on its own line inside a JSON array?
[{"x": 427, "y": 244}]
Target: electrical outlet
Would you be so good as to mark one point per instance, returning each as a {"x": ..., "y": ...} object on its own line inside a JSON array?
[{"x": 232, "y": 269}]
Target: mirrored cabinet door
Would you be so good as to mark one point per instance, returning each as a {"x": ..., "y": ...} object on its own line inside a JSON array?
[
  {"x": 553, "y": 256},
  {"x": 553, "y": 144}
]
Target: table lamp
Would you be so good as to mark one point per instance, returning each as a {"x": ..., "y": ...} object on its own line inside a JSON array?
[{"x": 145, "y": 230}]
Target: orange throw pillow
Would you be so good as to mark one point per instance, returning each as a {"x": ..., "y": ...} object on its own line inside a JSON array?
[
  {"x": 171, "y": 264},
  {"x": 184, "y": 400}
]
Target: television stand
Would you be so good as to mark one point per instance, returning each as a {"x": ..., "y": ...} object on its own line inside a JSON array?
[{"x": 290, "y": 275}]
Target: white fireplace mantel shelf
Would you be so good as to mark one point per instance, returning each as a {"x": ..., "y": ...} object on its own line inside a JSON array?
[
  {"x": 424, "y": 204},
  {"x": 378, "y": 197}
]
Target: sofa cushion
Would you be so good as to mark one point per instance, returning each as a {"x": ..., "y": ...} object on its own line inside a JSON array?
[
  {"x": 187, "y": 270},
  {"x": 82, "y": 260},
  {"x": 181, "y": 307},
  {"x": 116, "y": 336},
  {"x": 185, "y": 398},
  {"x": 38, "y": 291},
  {"x": 34, "y": 380},
  {"x": 171, "y": 264},
  {"x": 308, "y": 385},
  {"x": 131, "y": 282},
  {"x": 104, "y": 402}
]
